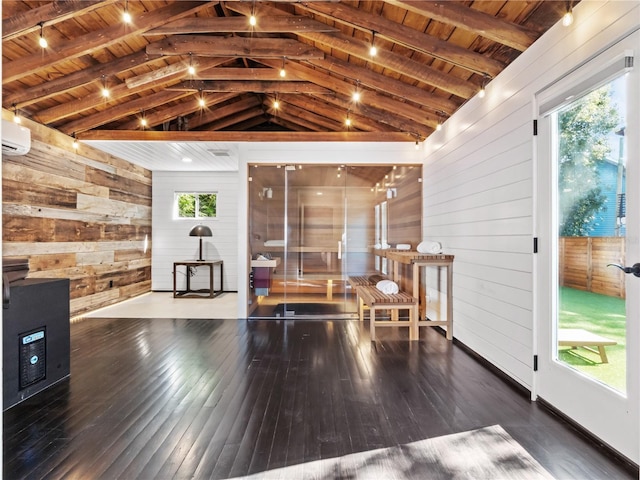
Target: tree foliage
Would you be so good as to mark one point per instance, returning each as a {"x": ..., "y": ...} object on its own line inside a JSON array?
[
  {"x": 583, "y": 127},
  {"x": 192, "y": 205}
]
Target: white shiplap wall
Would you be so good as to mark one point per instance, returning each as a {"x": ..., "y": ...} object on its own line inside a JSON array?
[
  {"x": 479, "y": 188},
  {"x": 171, "y": 241}
]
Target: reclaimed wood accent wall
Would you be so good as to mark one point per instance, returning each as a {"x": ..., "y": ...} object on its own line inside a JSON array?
[
  {"x": 584, "y": 260},
  {"x": 82, "y": 215}
]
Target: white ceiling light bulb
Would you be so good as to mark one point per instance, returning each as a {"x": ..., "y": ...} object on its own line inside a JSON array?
[
  {"x": 191, "y": 70},
  {"x": 567, "y": 18},
  {"x": 201, "y": 102},
  {"x": 252, "y": 20},
  {"x": 126, "y": 16},
  {"x": 356, "y": 96},
  {"x": 276, "y": 104},
  {"x": 143, "y": 122},
  {"x": 42, "y": 41},
  {"x": 348, "y": 122}
]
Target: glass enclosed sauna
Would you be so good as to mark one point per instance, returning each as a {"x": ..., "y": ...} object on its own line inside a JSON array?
[{"x": 313, "y": 226}]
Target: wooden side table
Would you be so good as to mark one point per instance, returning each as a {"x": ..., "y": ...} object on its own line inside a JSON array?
[{"x": 189, "y": 293}]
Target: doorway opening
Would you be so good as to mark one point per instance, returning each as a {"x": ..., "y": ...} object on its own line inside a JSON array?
[{"x": 311, "y": 227}]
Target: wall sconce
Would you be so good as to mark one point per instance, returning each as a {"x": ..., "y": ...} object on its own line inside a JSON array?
[
  {"x": 267, "y": 192},
  {"x": 392, "y": 193}
]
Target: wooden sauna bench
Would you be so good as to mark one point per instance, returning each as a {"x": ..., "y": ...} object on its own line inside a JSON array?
[
  {"x": 417, "y": 261},
  {"x": 376, "y": 300}
]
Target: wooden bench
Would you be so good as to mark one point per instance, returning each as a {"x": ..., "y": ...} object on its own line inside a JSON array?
[
  {"x": 376, "y": 300},
  {"x": 576, "y": 337}
]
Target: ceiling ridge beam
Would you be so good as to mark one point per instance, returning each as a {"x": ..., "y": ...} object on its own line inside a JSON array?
[
  {"x": 409, "y": 37},
  {"x": 475, "y": 21},
  {"x": 254, "y": 86},
  {"x": 220, "y": 113},
  {"x": 88, "y": 42}
]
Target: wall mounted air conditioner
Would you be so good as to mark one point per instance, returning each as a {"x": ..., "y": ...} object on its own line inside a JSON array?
[{"x": 16, "y": 139}]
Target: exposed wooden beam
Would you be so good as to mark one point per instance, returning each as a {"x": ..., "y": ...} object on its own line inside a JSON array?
[
  {"x": 118, "y": 111},
  {"x": 158, "y": 76},
  {"x": 267, "y": 24},
  {"x": 385, "y": 84},
  {"x": 217, "y": 114},
  {"x": 87, "y": 43},
  {"x": 65, "y": 83},
  {"x": 51, "y": 13},
  {"x": 386, "y": 59},
  {"x": 398, "y": 33},
  {"x": 235, "y": 136},
  {"x": 319, "y": 119},
  {"x": 236, "y": 47},
  {"x": 256, "y": 86},
  {"x": 466, "y": 18},
  {"x": 229, "y": 73},
  {"x": 163, "y": 114},
  {"x": 384, "y": 117},
  {"x": 291, "y": 123}
]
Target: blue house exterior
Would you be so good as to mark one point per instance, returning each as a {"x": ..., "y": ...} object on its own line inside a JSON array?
[{"x": 604, "y": 225}]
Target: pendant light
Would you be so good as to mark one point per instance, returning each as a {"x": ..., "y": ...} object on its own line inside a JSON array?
[
  {"x": 373, "y": 51},
  {"x": 41, "y": 40},
  {"x": 126, "y": 16}
]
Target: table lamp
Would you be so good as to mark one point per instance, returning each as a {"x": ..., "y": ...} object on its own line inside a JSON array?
[{"x": 200, "y": 231}]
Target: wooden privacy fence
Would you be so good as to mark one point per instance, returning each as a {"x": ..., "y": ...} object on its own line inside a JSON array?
[{"x": 583, "y": 264}]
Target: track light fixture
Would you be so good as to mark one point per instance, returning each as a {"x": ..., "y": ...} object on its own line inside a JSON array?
[
  {"x": 126, "y": 16},
  {"x": 16, "y": 115},
  {"x": 41, "y": 40},
  {"x": 567, "y": 18},
  {"x": 356, "y": 93},
  {"x": 105, "y": 91},
  {"x": 373, "y": 51},
  {"x": 485, "y": 80},
  {"x": 191, "y": 69}
]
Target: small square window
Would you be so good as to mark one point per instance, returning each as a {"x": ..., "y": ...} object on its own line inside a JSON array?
[{"x": 196, "y": 205}]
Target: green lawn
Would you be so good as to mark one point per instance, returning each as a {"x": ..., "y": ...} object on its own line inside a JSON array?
[{"x": 601, "y": 315}]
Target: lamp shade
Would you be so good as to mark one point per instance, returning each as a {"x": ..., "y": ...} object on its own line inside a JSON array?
[{"x": 200, "y": 231}]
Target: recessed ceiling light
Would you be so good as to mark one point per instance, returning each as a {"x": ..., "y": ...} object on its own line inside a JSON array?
[{"x": 186, "y": 160}]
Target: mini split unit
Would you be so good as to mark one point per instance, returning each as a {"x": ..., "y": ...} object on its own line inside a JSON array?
[{"x": 16, "y": 139}]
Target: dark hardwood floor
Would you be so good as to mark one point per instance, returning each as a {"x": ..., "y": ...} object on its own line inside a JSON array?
[{"x": 161, "y": 398}]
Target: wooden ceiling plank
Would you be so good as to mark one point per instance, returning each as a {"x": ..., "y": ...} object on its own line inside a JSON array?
[
  {"x": 407, "y": 36},
  {"x": 121, "y": 110},
  {"x": 51, "y": 13},
  {"x": 293, "y": 124},
  {"x": 371, "y": 98},
  {"x": 255, "y": 86},
  {"x": 321, "y": 117},
  {"x": 254, "y": 136},
  {"x": 252, "y": 123},
  {"x": 77, "y": 79},
  {"x": 267, "y": 24},
  {"x": 386, "y": 59},
  {"x": 85, "y": 44},
  {"x": 161, "y": 115},
  {"x": 480, "y": 23},
  {"x": 385, "y": 84},
  {"x": 156, "y": 77},
  {"x": 236, "y": 47}
]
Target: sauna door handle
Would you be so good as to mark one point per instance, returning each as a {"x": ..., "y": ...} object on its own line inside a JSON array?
[{"x": 635, "y": 269}]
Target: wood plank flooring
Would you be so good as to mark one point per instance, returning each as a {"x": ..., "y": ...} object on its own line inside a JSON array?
[{"x": 162, "y": 398}]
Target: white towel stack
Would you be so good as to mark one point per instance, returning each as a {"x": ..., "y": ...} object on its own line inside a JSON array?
[
  {"x": 429, "y": 247},
  {"x": 387, "y": 286}
]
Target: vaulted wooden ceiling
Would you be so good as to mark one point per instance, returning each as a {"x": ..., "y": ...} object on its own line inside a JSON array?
[{"x": 432, "y": 56}]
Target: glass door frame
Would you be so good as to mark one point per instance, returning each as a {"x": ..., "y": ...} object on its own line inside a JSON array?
[{"x": 605, "y": 412}]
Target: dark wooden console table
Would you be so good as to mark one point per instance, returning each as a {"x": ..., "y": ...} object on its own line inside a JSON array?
[{"x": 189, "y": 293}]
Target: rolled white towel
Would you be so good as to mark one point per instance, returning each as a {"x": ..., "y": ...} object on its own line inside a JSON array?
[
  {"x": 403, "y": 246},
  {"x": 429, "y": 247},
  {"x": 387, "y": 286}
]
